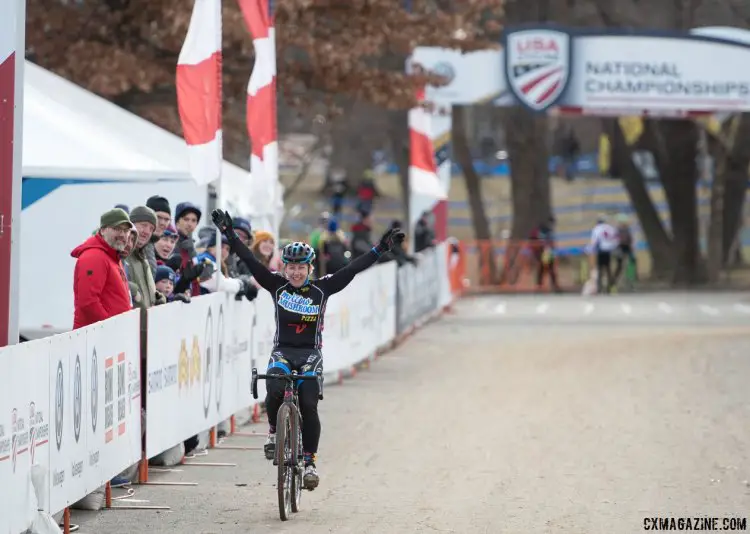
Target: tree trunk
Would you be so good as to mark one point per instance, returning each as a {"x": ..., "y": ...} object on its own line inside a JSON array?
[
  {"x": 675, "y": 144},
  {"x": 659, "y": 242},
  {"x": 474, "y": 189},
  {"x": 736, "y": 187},
  {"x": 529, "y": 176},
  {"x": 715, "y": 238}
]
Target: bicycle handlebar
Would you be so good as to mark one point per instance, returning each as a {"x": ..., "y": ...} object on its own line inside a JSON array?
[{"x": 292, "y": 378}]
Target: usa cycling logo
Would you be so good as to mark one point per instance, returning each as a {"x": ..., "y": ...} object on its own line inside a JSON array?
[{"x": 537, "y": 66}]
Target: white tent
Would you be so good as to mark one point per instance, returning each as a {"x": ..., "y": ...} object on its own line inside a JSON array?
[{"x": 70, "y": 132}]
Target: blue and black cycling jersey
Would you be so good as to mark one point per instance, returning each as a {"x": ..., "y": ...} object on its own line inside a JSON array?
[{"x": 300, "y": 310}]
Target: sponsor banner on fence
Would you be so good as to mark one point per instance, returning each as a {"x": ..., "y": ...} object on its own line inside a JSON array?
[
  {"x": 95, "y": 406},
  {"x": 198, "y": 367},
  {"x": 418, "y": 290},
  {"x": 24, "y": 430}
]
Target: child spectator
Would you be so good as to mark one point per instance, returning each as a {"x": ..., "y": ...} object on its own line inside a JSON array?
[
  {"x": 164, "y": 247},
  {"x": 165, "y": 279}
]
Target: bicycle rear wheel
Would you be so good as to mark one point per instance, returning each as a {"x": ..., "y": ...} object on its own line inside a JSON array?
[
  {"x": 285, "y": 459},
  {"x": 298, "y": 469}
]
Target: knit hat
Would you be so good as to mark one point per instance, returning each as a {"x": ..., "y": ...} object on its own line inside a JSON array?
[
  {"x": 170, "y": 231},
  {"x": 242, "y": 224},
  {"x": 114, "y": 217},
  {"x": 164, "y": 273},
  {"x": 211, "y": 240},
  {"x": 123, "y": 207},
  {"x": 262, "y": 235},
  {"x": 206, "y": 232},
  {"x": 143, "y": 214},
  {"x": 159, "y": 204},
  {"x": 184, "y": 208}
]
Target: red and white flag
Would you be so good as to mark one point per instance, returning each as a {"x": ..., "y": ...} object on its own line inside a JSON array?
[
  {"x": 423, "y": 178},
  {"x": 199, "y": 91},
  {"x": 261, "y": 107}
]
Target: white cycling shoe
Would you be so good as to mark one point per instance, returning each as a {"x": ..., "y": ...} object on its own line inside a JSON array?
[
  {"x": 310, "y": 479},
  {"x": 269, "y": 448}
]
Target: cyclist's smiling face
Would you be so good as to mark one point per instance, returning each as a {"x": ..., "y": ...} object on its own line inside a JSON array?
[{"x": 297, "y": 273}]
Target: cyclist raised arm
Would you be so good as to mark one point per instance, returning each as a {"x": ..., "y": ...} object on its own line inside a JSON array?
[
  {"x": 267, "y": 280},
  {"x": 299, "y": 308}
]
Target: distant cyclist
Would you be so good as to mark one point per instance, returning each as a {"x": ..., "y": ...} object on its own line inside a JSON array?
[
  {"x": 300, "y": 308},
  {"x": 604, "y": 241},
  {"x": 625, "y": 248}
]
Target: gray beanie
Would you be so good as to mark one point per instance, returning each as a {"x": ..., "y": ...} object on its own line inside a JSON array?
[{"x": 143, "y": 214}]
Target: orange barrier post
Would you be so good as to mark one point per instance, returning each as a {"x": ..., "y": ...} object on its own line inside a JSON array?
[{"x": 143, "y": 469}]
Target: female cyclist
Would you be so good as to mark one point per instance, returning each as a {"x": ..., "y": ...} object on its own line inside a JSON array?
[{"x": 300, "y": 308}]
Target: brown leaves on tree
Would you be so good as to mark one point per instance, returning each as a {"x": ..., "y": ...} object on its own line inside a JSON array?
[{"x": 127, "y": 50}]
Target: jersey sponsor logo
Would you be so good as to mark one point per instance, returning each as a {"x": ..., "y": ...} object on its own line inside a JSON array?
[
  {"x": 298, "y": 327},
  {"x": 298, "y": 304}
]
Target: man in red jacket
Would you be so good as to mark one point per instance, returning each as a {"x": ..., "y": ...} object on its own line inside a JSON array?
[{"x": 100, "y": 288}]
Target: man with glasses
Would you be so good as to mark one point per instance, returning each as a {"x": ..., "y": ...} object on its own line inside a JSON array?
[{"x": 100, "y": 288}]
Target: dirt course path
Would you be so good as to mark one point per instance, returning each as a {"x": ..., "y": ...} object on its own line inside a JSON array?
[{"x": 472, "y": 426}]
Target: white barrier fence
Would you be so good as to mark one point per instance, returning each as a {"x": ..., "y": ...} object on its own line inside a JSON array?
[{"x": 72, "y": 403}]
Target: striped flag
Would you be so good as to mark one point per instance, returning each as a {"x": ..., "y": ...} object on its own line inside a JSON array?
[
  {"x": 261, "y": 111},
  {"x": 199, "y": 91},
  {"x": 423, "y": 178}
]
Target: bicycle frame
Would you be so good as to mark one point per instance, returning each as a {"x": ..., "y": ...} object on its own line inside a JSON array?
[{"x": 289, "y": 452}]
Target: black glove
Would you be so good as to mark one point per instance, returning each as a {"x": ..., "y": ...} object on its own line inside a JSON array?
[
  {"x": 182, "y": 297},
  {"x": 251, "y": 292},
  {"x": 223, "y": 222},
  {"x": 192, "y": 271},
  {"x": 208, "y": 270},
  {"x": 392, "y": 238},
  {"x": 174, "y": 262}
]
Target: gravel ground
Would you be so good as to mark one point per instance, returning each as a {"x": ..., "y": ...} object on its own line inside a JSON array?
[{"x": 475, "y": 426}]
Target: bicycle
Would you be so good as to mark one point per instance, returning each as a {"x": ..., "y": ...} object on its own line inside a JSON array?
[{"x": 288, "y": 432}]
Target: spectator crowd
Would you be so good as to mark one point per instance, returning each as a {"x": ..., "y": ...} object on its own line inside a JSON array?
[{"x": 150, "y": 255}]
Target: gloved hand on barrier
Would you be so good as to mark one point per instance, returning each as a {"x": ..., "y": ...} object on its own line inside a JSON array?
[
  {"x": 207, "y": 271},
  {"x": 181, "y": 297},
  {"x": 249, "y": 291},
  {"x": 159, "y": 298}
]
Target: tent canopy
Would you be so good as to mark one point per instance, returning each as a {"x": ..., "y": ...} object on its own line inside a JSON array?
[{"x": 69, "y": 132}]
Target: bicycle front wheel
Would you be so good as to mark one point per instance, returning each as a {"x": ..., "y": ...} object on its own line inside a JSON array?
[
  {"x": 297, "y": 469},
  {"x": 285, "y": 459}
]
